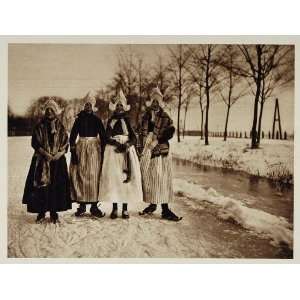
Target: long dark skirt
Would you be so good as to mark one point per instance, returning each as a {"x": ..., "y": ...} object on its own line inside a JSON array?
[{"x": 56, "y": 196}]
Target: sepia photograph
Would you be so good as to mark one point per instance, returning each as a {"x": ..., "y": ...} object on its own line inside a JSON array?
[{"x": 150, "y": 151}]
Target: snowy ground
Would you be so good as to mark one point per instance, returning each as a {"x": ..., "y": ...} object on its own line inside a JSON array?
[
  {"x": 213, "y": 226},
  {"x": 274, "y": 159}
]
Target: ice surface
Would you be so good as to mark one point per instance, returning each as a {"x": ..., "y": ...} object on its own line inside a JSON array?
[{"x": 204, "y": 232}]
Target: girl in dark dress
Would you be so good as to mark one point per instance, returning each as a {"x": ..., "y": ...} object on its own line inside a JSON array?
[{"x": 47, "y": 185}]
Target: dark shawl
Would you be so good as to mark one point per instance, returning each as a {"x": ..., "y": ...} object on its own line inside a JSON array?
[
  {"x": 114, "y": 127},
  {"x": 162, "y": 127},
  {"x": 52, "y": 143}
]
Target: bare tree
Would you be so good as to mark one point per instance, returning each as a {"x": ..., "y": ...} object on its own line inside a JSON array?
[
  {"x": 161, "y": 78},
  {"x": 279, "y": 78},
  {"x": 132, "y": 76},
  {"x": 186, "y": 103},
  {"x": 143, "y": 83},
  {"x": 260, "y": 62},
  {"x": 196, "y": 77},
  {"x": 206, "y": 58},
  {"x": 179, "y": 55},
  {"x": 125, "y": 77},
  {"x": 231, "y": 89}
]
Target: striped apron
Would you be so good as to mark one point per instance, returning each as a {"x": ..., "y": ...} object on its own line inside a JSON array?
[
  {"x": 85, "y": 176},
  {"x": 156, "y": 176}
]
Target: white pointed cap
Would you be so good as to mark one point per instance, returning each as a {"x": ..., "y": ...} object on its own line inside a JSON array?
[
  {"x": 155, "y": 91},
  {"x": 120, "y": 98},
  {"x": 91, "y": 98}
]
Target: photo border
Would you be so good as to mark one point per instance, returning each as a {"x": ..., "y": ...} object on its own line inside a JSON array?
[{"x": 244, "y": 39}]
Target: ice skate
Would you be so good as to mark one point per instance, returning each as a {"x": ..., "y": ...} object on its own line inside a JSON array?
[
  {"x": 54, "y": 218},
  {"x": 96, "y": 212},
  {"x": 169, "y": 215},
  {"x": 125, "y": 214},
  {"x": 80, "y": 210},
  {"x": 149, "y": 210},
  {"x": 40, "y": 218}
]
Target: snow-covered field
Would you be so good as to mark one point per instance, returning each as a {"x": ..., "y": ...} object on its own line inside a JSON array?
[
  {"x": 274, "y": 159},
  {"x": 213, "y": 226}
]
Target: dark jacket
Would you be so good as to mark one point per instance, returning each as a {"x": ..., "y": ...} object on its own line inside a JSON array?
[{"x": 87, "y": 125}]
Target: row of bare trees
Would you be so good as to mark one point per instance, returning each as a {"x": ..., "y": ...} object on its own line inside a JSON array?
[
  {"x": 206, "y": 74},
  {"x": 209, "y": 73}
]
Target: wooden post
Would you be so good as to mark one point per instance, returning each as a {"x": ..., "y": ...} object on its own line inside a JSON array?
[{"x": 276, "y": 118}]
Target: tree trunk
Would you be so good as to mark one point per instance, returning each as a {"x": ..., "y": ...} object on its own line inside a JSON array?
[
  {"x": 206, "y": 117},
  {"x": 226, "y": 122},
  {"x": 184, "y": 122},
  {"x": 259, "y": 122},
  {"x": 256, "y": 100},
  {"x": 254, "y": 124},
  {"x": 140, "y": 103},
  {"x": 202, "y": 112},
  {"x": 178, "y": 119},
  {"x": 179, "y": 100},
  {"x": 229, "y": 100},
  {"x": 207, "y": 87}
]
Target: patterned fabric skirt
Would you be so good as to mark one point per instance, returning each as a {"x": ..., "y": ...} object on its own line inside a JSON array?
[
  {"x": 85, "y": 176},
  {"x": 112, "y": 186},
  {"x": 156, "y": 176}
]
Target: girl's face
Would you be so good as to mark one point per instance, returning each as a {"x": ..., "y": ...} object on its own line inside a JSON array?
[
  {"x": 119, "y": 108},
  {"x": 49, "y": 113},
  {"x": 88, "y": 107},
  {"x": 155, "y": 102}
]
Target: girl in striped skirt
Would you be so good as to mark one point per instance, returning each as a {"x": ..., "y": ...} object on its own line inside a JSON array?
[
  {"x": 156, "y": 161},
  {"x": 121, "y": 175},
  {"x": 86, "y": 158}
]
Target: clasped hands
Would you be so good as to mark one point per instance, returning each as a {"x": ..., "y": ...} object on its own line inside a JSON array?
[
  {"x": 120, "y": 148},
  {"x": 49, "y": 157}
]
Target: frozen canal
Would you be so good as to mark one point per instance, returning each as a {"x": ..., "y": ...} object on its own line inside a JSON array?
[{"x": 253, "y": 191}]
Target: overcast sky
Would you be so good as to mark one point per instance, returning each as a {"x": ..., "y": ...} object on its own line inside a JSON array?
[{"x": 69, "y": 71}]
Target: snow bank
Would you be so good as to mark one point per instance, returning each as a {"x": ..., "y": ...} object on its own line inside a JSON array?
[
  {"x": 278, "y": 229},
  {"x": 274, "y": 159}
]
